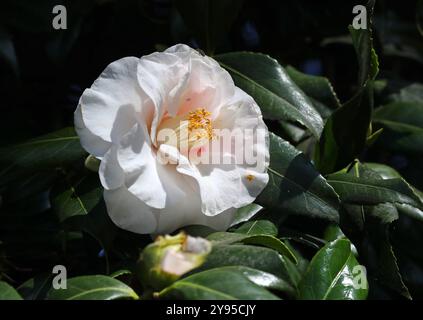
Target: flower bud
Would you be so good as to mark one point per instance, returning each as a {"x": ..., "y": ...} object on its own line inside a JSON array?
[
  {"x": 92, "y": 163},
  {"x": 169, "y": 257}
]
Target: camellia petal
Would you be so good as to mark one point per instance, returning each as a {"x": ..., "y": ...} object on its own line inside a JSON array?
[
  {"x": 138, "y": 160},
  {"x": 111, "y": 173},
  {"x": 89, "y": 141},
  {"x": 162, "y": 77},
  {"x": 183, "y": 205},
  {"x": 128, "y": 212},
  {"x": 109, "y": 107}
]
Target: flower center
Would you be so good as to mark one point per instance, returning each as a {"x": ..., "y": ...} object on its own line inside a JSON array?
[
  {"x": 200, "y": 124},
  {"x": 191, "y": 130}
]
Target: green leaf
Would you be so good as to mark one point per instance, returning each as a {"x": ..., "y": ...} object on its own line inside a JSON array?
[
  {"x": 263, "y": 279},
  {"x": 320, "y": 92},
  {"x": 78, "y": 202},
  {"x": 76, "y": 195},
  {"x": 295, "y": 186},
  {"x": 271, "y": 87},
  {"x": 409, "y": 93},
  {"x": 401, "y": 116},
  {"x": 36, "y": 288},
  {"x": 97, "y": 287},
  {"x": 345, "y": 133},
  {"x": 368, "y": 64},
  {"x": 368, "y": 226},
  {"x": 373, "y": 137},
  {"x": 403, "y": 126},
  {"x": 373, "y": 190},
  {"x": 51, "y": 151},
  {"x": 269, "y": 241},
  {"x": 215, "y": 284},
  {"x": 20, "y": 192},
  {"x": 375, "y": 249},
  {"x": 359, "y": 190},
  {"x": 120, "y": 272},
  {"x": 333, "y": 232},
  {"x": 246, "y": 213},
  {"x": 264, "y": 259},
  {"x": 98, "y": 225},
  {"x": 386, "y": 172},
  {"x": 316, "y": 87},
  {"x": 7, "y": 292},
  {"x": 258, "y": 227},
  {"x": 331, "y": 275},
  {"x": 206, "y": 21}
]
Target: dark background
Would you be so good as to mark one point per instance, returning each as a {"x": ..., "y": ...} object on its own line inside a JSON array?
[{"x": 43, "y": 71}]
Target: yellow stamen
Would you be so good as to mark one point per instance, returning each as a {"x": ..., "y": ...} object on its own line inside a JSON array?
[
  {"x": 193, "y": 129},
  {"x": 200, "y": 124},
  {"x": 250, "y": 177}
]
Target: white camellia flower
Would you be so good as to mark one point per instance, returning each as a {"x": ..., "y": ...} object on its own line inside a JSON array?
[{"x": 155, "y": 122}]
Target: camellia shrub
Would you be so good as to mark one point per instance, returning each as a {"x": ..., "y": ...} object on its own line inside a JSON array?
[{"x": 190, "y": 174}]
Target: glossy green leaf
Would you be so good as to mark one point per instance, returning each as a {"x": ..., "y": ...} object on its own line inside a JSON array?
[
  {"x": 97, "y": 287},
  {"x": 386, "y": 172},
  {"x": 261, "y": 258},
  {"x": 409, "y": 93},
  {"x": 36, "y": 288},
  {"x": 316, "y": 87},
  {"x": 7, "y": 292},
  {"x": 333, "y": 275},
  {"x": 368, "y": 64},
  {"x": 269, "y": 241},
  {"x": 401, "y": 116},
  {"x": 374, "y": 245},
  {"x": 403, "y": 126},
  {"x": 54, "y": 150},
  {"x": 258, "y": 227},
  {"x": 295, "y": 186},
  {"x": 371, "y": 190},
  {"x": 294, "y": 133},
  {"x": 373, "y": 137},
  {"x": 206, "y": 21},
  {"x": 76, "y": 196},
  {"x": 78, "y": 202},
  {"x": 333, "y": 232},
  {"x": 263, "y": 279},
  {"x": 20, "y": 192},
  {"x": 215, "y": 284},
  {"x": 271, "y": 87},
  {"x": 98, "y": 225},
  {"x": 360, "y": 190},
  {"x": 121, "y": 272}
]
